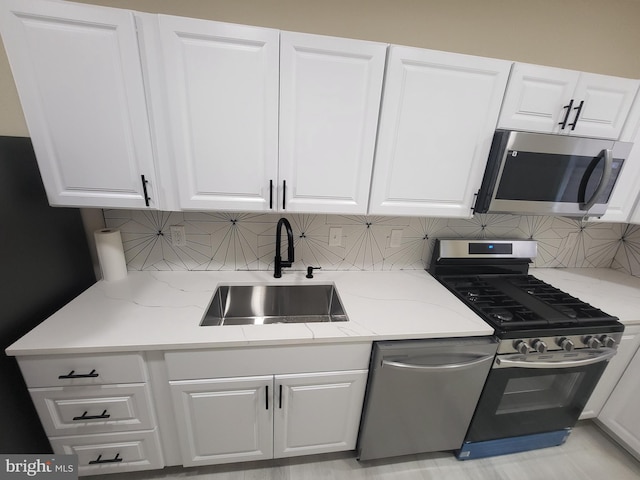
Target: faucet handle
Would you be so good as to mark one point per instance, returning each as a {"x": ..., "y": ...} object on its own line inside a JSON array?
[{"x": 310, "y": 271}]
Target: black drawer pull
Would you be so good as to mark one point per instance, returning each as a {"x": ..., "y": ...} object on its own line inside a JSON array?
[
  {"x": 84, "y": 416},
  {"x": 72, "y": 374},
  {"x": 115, "y": 459}
]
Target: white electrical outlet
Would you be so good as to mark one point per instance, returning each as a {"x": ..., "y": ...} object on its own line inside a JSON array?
[
  {"x": 396, "y": 238},
  {"x": 178, "y": 237},
  {"x": 335, "y": 236}
]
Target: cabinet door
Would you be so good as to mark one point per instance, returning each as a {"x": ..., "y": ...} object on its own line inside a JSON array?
[
  {"x": 224, "y": 420},
  {"x": 77, "y": 69},
  {"x": 317, "y": 412},
  {"x": 329, "y": 102},
  {"x": 439, "y": 112},
  {"x": 620, "y": 415},
  {"x": 536, "y": 97},
  {"x": 607, "y": 102},
  {"x": 222, "y": 94},
  {"x": 615, "y": 368}
]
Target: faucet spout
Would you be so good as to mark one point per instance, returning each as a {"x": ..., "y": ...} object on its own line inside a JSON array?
[{"x": 278, "y": 262}]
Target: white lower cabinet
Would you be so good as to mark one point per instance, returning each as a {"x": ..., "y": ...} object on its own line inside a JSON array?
[
  {"x": 98, "y": 407},
  {"x": 252, "y": 418},
  {"x": 617, "y": 365},
  {"x": 224, "y": 420},
  {"x": 241, "y": 404},
  {"x": 317, "y": 412},
  {"x": 620, "y": 415}
]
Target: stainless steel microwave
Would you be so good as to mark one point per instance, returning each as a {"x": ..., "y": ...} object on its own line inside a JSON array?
[{"x": 541, "y": 174}]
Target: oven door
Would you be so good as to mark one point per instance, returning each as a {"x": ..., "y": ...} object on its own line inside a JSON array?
[{"x": 526, "y": 394}]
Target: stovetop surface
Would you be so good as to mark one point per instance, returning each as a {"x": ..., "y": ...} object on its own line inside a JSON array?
[{"x": 522, "y": 302}]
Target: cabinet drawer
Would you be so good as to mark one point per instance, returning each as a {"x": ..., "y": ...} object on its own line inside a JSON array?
[
  {"x": 93, "y": 409},
  {"x": 116, "y": 452},
  {"x": 239, "y": 362},
  {"x": 61, "y": 370}
]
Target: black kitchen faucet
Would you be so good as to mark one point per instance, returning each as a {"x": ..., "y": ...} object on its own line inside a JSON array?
[{"x": 278, "y": 263}]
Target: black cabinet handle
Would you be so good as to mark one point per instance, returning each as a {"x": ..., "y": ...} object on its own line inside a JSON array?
[
  {"x": 563, "y": 123},
  {"x": 284, "y": 194},
  {"x": 84, "y": 416},
  {"x": 575, "y": 120},
  {"x": 144, "y": 190},
  {"x": 266, "y": 397},
  {"x": 72, "y": 374},
  {"x": 115, "y": 459},
  {"x": 271, "y": 194},
  {"x": 280, "y": 399}
]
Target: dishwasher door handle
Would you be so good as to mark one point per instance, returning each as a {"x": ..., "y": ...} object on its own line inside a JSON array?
[{"x": 438, "y": 368}]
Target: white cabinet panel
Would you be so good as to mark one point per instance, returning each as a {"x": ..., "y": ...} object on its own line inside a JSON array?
[
  {"x": 555, "y": 100},
  {"x": 74, "y": 370},
  {"x": 627, "y": 347},
  {"x": 93, "y": 409},
  {"x": 222, "y": 93},
  {"x": 620, "y": 416},
  {"x": 535, "y": 97},
  {"x": 329, "y": 102},
  {"x": 318, "y": 412},
  {"x": 112, "y": 452},
  {"x": 607, "y": 102},
  {"x": 224, "y": 420},
  {"x": 439, "y": 112},
  {"x": 77, "y": 69}
]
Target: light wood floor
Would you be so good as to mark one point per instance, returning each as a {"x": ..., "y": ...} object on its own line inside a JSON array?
[{"x": 587, "y": 454}]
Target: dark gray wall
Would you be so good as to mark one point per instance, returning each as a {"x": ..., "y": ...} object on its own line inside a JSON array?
[{"x": 44, "y": 263}]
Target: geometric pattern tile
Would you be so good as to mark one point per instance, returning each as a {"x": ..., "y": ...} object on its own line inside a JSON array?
[{"x": 246, "y": 241}]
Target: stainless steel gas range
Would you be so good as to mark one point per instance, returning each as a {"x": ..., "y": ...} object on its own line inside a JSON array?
[{"x": 553, "y": 347}]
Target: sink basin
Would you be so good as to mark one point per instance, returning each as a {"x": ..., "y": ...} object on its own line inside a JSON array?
[{"x": 266, "y": 304}]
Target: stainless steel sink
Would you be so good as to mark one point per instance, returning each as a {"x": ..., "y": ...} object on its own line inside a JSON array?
[{"x": 266, "y": 304}]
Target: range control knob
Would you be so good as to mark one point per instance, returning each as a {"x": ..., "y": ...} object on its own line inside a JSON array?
[
  {"x": 608, "y": 341},
  {"x": 592, "y": 342},
  {"x": 521, "y": 346},
  {"x": 566, "y": 344},
  {"x": 539, "y": 346}
]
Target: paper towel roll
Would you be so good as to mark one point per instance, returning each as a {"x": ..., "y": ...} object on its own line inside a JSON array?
[{"x": 110, "y": 254}]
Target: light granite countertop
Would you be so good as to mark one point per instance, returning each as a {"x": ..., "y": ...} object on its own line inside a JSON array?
[{"x": 162, "y": 310}]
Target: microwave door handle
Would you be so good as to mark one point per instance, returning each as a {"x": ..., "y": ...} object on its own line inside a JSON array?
[
  {"x": 606, "y": 354},
  {"x": 607, "y": 154}
]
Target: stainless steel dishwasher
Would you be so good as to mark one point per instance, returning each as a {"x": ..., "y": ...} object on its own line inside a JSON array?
[{"x": 422, "y": 394}]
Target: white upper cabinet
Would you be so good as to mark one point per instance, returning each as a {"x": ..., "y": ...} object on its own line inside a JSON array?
[
  {"x": 554, "y": 100},
  {"x": 263, "y": 121},
  {"x": 78, "y": 73},
  {"x": 623, "y": 198},
  {"x": 439, "y": 113},
  {"x": 329, "y": 102},
  {"x": 222, "y": 94}
]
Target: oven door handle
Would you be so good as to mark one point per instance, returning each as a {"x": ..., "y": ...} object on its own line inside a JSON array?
[
  {"x": 438, "y": 368},
  {"x": 606, "y": 354}
]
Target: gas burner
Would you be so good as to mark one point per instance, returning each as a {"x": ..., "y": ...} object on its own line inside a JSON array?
[
  {"x": 568, "y": 311},
  {"x": 501, "y": 315},
  {"x": 472, "y": 295}
]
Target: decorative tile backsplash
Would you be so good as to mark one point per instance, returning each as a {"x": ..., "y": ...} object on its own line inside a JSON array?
[{"x": 246, "y": 241}]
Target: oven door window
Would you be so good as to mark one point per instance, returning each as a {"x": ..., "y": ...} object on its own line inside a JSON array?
[
  {"x": 522, "y": 401},
  {"x": 540, "y": 392}
]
